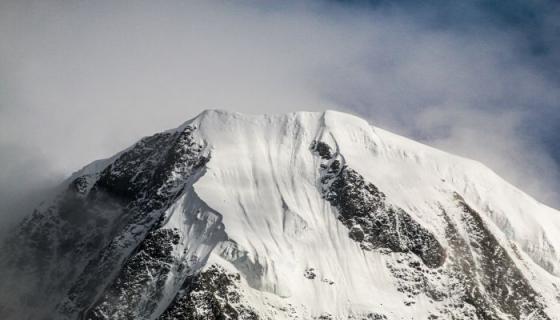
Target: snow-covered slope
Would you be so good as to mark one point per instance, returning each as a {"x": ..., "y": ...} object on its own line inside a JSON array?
[{"x": 297, "y": 216}]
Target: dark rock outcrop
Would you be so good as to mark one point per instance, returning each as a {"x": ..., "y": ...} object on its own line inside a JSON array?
[
  {"x": 78, "y": 241},
  {"x": 211, "y": 295},
  {"x": 371, "y": 221},
  {"x": 489, "y": 279}
]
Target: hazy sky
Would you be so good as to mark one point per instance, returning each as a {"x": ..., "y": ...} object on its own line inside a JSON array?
[{"x": 81, "y": 80}]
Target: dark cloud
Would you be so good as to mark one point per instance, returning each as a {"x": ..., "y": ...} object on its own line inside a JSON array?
[{"x": 82, "y": 80}]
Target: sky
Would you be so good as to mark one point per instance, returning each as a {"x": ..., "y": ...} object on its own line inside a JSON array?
[{"x": 81, "y": 80}]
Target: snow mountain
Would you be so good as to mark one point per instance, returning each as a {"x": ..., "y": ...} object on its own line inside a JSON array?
[{"x": 296, "y": 216}]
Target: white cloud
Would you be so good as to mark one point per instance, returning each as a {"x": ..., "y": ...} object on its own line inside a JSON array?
[{"x": 82, "y": 80}]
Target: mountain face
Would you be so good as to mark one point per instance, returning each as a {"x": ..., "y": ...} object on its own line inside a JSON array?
[{"x": 298, "y": 216}]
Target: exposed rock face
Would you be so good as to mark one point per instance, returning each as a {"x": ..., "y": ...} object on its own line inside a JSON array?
[
  {"x": 137, "y": 289},
  {"x": 213, "y": 294},
  {"x": 370, "y": 220},
  {"x": 491, "y": 281},
  {"x": 84, "y": 234},
  {"x": 150, "y": 176}
]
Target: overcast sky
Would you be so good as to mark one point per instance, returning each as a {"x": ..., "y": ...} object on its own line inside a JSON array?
[{"x": 81, "y": 80}]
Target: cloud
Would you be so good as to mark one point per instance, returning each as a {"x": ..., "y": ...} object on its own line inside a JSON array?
[
  {"x": 477, "y": 94},
  {"x": 82, "y": 80},
  {"x": 26, "y": 178}
]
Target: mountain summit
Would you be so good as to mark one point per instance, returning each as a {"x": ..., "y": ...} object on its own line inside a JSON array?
[{"x": 296, "y": 216}]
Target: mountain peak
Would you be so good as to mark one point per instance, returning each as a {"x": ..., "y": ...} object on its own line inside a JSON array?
[{"x": 314, "y": 215}]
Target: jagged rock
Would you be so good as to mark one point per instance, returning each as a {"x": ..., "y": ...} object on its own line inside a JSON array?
[
  {"x": 211, "y": 295},
  {"x": 371, "y": 221},
  {"x": 310, "y": 273}
]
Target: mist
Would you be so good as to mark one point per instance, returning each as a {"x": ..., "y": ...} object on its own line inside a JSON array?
[{"x": 82, "y": 80}]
